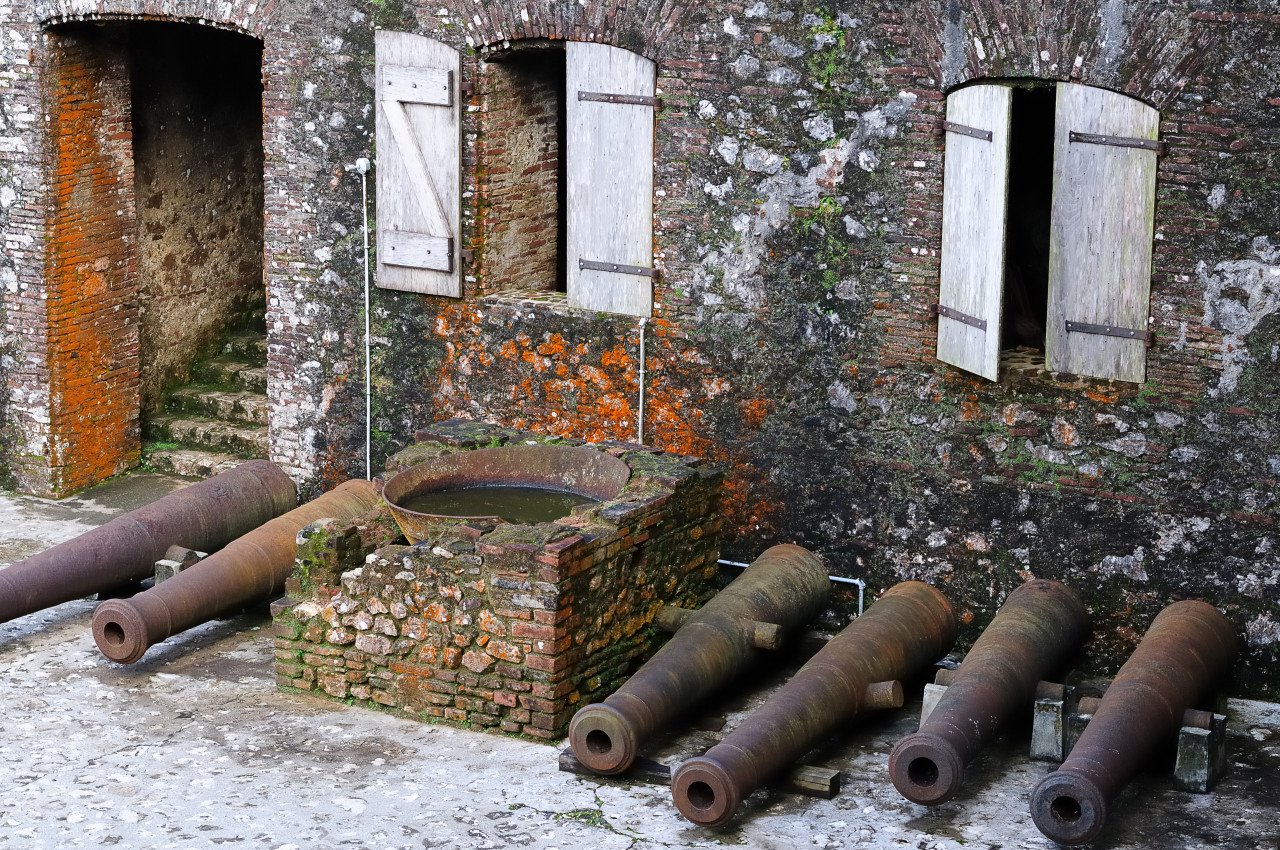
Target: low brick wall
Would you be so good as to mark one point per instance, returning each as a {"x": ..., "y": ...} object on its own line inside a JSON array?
[{"x": 502, "y": 626}]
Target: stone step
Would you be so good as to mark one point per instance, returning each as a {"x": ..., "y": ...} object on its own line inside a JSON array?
[
  {"x": 248, "y": 346},
  {"x": 241, "y": 439},
  {"x": 227, "y": 405},
  {"x": 190, "y": 463},
  {"x": 232, "y": 372}
]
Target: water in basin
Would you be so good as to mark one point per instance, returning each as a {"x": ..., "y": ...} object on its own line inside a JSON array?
[{"x": 524, "y": 505}]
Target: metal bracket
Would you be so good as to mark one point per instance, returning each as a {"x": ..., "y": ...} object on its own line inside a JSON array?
[
  {"x": 466, "y": 89},
  {"x": 630, "y": 99},
  {"x": 953, "y": 127},
  {"x": 620, "y": 268},
  {"x": 1110, "y": 330},
  {"x": 964, "y": 318},
  {"x": 467, "y": 255},
  {"x": 1117, "y": 141}
]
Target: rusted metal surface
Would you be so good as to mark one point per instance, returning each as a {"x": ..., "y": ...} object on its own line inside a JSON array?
[
  {"x": 205, "y": 516},
  {"x": 250, "y": 569},
  {"x": 1188, "y": 646},
  {"x": 787, "y": 586},
  {"x": 587, "y": 472},
  {"x": 910, "y": 626},
  {"x": 1033, "y": 631}
]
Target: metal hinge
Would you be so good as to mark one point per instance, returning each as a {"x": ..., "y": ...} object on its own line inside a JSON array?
[
  {"x": 467, "y": 255},
  {"x": 964, "y": 318},
  {"x": 1110, "y": 330},
  {"x": 620, "y": 268},
  {"x": 1117, "y": 141},
  {"x": 953, "y": 127},
  {"x": 631, "y": 99},
  {"x": 467, "y": 89}
]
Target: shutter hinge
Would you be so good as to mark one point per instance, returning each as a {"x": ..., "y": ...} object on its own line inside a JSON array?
[
  {"x": 1118, "y": 141},
  {"x": 466, "y": 88},
  {"x": 467, "y": 255},
  {"x": 631, "y": 99},
  {"x": 620, "y": 268},
  {"x": 964, "y": 318},
  {"x": 1111, "y": 330},
  {"x": 953, "y": 127}
]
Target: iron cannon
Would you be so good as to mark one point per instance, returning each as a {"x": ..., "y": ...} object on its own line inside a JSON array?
[
  {"x": 781, "y": 590},
  {"x": 1037, "y": 626},
  {"x": 910, "y": 626},
  {"x": 250, "y": 569},
  {"x": 1187, "y": 647},
  {"x": 205, "y": 516}
]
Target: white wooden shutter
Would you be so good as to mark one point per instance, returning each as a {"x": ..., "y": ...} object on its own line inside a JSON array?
[
  {"x": 609, "y": 163},
  {"x": 974, "y": 199},
  {"x": 419, "y": 157},
  {"x": 1104, "y": 185}
]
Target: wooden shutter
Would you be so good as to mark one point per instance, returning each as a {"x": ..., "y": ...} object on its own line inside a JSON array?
[
  {"x": 419, "y": 156},
  {"x": 1104, "y": 188},
  {"x": 974, "y": 199},
  {"x": 609, "y": 165}
]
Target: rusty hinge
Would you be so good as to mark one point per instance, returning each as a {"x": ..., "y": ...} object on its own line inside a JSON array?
[
  {"x": 620, "y": 268},
  {"x": 1117, "y": 141},
  {"x": 467, "y": 88},
  {"x": 964, "y": 318},
  {"x": 953, "y": 127},
  {"x": 1110, "y": 330},
  {"x": 467, "y": 255},
  {"x": 632, "y": 99}
]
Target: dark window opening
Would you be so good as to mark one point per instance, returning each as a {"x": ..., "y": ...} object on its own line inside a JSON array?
[
  {"x": 1026, "y": 281},
  {"x": 523, "y": 132}
]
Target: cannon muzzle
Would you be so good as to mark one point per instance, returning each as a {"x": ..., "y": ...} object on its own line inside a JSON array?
[
  {"x": 910, "y": 626},
  {"x": 1037, "y": 626},
  {"x": 1187, "y": 647},
  {"x": 206, "y": 516},
  {"x": 250, "y": 569},
  {"x": 785, "y": 587}
]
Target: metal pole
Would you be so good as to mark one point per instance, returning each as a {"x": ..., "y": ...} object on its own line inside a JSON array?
[
  {"x": 362, "y": 165},
  {"x": 640, "y": 415}
]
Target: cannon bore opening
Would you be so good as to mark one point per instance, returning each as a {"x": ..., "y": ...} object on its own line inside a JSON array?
[
  {"x": 700, "y": 795},
  {"x": 922, "y": 772},
  {"x": 1066, "y": 809},
  {"x": 599, "y": 742},
  {"x": 113, "y": 633}
]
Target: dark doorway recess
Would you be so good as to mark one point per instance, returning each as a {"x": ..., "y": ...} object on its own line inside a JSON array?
[{"x": 1026, "y": 284}]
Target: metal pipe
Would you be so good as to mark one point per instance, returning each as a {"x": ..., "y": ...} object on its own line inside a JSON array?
[
  {"x": 640, "y": 413},
  {"x": 785, "y": 587},
  {"x": 910, "y": 626},
  {"x": 1189, "y": 645},
  {"x": 1037, "y": 626},
  {"x": 362, "y": 166},
  {"x": 206, "y": 516},
  {"x": 250, "y": 569},
  {"x": 862, "y": 585}
]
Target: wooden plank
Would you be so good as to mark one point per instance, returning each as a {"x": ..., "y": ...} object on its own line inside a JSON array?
[
  {"x": 1100, "y": 233},
  {"x": 418, "y": 176},
  {"x": 974, "y": 200},
  {"x": 609, "y": 164}
]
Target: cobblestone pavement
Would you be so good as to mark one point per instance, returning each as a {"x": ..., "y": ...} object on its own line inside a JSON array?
[{"x": 194, "y": 747}]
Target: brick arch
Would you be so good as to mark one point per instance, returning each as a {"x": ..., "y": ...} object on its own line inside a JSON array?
[
  {"x": 1146, "y": 49},
  {"x": 645, "y": 27},
  {"x": 243, "y": 16}
]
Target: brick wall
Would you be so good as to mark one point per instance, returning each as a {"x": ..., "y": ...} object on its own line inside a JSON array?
[
  {"x": 91, "y": 263},
  {"x": 508, "y": 626}
]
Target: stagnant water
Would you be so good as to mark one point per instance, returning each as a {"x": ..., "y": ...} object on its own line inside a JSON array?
[{"x": 523, "y": 505}]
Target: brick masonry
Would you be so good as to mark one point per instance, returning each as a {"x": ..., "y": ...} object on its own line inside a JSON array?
[
  {"x": 797, "y": 175},
  {"x": 509, "y": 626}
]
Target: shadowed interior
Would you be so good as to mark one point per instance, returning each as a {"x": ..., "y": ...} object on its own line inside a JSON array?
[
  {"x": 700, "y": 795},
  {"x": 599, "y": 742},
  {"x": 922, "y": 772},
  {"x": 1066, "y": 809},
  {"x": 113, "y": 633}
]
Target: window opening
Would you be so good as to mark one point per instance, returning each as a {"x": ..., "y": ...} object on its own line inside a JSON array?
[{"x": 1026, "y": 287}]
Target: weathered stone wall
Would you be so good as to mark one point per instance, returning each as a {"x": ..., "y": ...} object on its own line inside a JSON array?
[
  {"x": 197, "y": 95},
  {"x": 507, "y": 626}
]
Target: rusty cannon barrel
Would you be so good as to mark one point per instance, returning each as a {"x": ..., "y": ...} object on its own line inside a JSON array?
[
  {"x": 910, "y": 626},
  {"x": 205, "y": 516},
  {"x": 781, "y": 590},
  {"x": 250, "y": 569},
  {"x": 1187, "y": 647},
  {"x": 1031, "y": 634}
]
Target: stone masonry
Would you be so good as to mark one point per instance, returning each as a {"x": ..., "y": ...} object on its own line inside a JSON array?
[{"x": 504, "y": 626}]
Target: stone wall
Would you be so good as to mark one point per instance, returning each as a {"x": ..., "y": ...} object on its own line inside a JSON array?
[{"x": 507, "y": 626}]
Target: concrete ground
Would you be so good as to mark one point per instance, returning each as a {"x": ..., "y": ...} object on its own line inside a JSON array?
[{"x": 194, "y": 747}]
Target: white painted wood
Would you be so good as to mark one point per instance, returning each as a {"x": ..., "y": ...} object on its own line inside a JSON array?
[
  {"x": 1101, "y": 232},
  {"x": 419, "y": 164},
  {"x": 609, "y": 160},
  {"x": 974, "y": 200}
]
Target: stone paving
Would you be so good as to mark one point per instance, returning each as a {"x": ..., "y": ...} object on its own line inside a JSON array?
[{"x": 194, "y": 747}]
